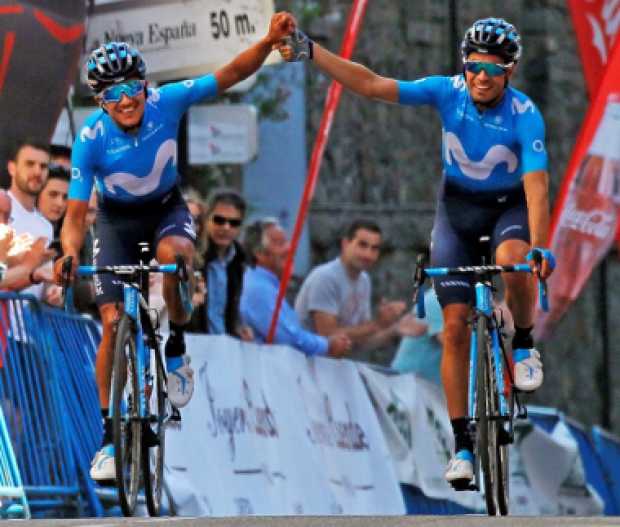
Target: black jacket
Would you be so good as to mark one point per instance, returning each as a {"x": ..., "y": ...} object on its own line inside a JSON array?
[{"x": 234, "y": 270}]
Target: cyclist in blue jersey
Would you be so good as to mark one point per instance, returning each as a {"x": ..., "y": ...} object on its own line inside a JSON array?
[
  {"x": 495, "y": 182},
  {"x": 127, "y": 151}
]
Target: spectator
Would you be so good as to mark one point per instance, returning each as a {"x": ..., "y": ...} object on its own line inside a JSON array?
[
  {"x": 19, "y": 257},
  {"x": 52, "y": 200},
  {"x": 28, "y": 167},
  {"x": 335, "y": 297},
  {"x": 223, "y": 265},
  {"x": 196, "y": 209},
  {"x": 266, "y": 247},
  {"x": 421, "y": 354},
  {"x": 60, "y": 155}
]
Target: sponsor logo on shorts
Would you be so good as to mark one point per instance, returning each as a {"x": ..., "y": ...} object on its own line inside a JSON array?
[{"x": 511, "y": 228}]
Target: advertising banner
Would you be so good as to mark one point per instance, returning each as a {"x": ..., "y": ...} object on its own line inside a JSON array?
[
  {"x": 272, "y": 432},
  {"x": 586, "y": 210}
]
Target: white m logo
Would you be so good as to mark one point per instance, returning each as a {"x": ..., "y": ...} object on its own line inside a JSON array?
[{"x": 521, "y": 107}]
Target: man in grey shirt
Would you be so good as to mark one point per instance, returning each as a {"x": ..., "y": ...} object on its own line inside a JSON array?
[{"x": 335, "y": 297}]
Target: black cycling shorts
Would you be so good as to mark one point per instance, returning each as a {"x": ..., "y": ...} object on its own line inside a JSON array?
[
  {"x": 461, "y": 219},
  {"x": 119, "y": 229}
]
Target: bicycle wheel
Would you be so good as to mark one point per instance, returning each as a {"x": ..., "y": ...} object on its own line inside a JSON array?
[
  {"x": 486, "y": 408},
  {"x": 153, "y": 454},
  {"x": 125, "y": 416}
]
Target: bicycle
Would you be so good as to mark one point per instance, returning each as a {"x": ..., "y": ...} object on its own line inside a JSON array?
[
  {"x": 139, "y": 406},
  {"x": 491, "y": 404}
]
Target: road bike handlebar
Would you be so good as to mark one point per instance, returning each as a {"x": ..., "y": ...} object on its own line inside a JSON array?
[{"x": 422, "y": 273}]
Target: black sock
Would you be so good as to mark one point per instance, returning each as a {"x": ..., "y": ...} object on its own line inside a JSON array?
[
  {"x": 462, "y": 436},
  {"x": 522, "y": 338},
  {"x": 175, "y": 345},
  {"x": 107, "y": 428}
]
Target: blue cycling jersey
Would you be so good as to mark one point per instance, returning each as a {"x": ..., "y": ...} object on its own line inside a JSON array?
[
  {"x": 135, "y": 167},
  {"x": 487, "y": 151}
]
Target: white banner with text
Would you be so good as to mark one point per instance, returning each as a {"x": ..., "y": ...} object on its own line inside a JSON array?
[
  {"x": 272, "y": 432},
  {"x": 547, "y": 474}
]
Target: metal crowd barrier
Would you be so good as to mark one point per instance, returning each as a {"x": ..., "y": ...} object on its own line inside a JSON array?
[{"x": 48, "y": 395}]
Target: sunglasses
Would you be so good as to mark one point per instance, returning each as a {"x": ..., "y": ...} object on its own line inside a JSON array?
[
  {"x": 490, "y": 68},
  {"x": 129, "y": 88},
  {"x": 222, "y": 220}
]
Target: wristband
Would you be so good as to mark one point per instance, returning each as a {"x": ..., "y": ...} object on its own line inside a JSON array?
[
  {"x": 546, "y": 255},
  {"x": 3, "y": 269}
]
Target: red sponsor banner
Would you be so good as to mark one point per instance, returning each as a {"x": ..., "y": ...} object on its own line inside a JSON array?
[
  {"x": 596, "y": 24},
  {"x": 586, "y": 211}
]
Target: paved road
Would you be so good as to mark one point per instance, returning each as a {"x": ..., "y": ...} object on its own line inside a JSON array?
[{"x": 331, "y": 521}]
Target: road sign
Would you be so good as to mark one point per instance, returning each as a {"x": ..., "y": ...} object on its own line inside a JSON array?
[
  {"x": 223, "y": 133},
  {"x": 182, "y": 38}
]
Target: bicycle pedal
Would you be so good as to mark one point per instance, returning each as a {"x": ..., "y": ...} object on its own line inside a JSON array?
[{"x": 461, "y": 485}]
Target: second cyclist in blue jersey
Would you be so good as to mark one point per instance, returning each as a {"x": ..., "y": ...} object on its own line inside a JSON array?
[
  {"x": 127, "y": 151},
  {"x": 495, "y": 182}
]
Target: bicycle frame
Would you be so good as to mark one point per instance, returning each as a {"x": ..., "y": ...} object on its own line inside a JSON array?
[{"x": 133, "y": 300}]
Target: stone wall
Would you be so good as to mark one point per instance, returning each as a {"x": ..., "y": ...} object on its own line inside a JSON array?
[{"x": 383, "y": 161}]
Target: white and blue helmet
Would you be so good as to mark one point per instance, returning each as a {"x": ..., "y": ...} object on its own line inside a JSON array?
[{"x": 494, "y": 36}]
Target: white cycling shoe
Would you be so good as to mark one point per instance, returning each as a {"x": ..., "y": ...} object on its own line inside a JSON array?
[
  {"x": 180, "y": 380},
  {"x": 460, "y": 470},
  {"x": 103, "y": 466},
  {"x": 528, "y": 369}
]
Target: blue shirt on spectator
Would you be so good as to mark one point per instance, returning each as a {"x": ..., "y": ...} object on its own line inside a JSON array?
[
  {"x": 422, "y": 354},
  {"x": 258, "y": 301},
  {"x": 217, "y": 291}
]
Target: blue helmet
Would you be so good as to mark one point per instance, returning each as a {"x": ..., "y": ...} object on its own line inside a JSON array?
[
  {"x": 112, "y": 63},
  {"x": 494, "y": 36}
]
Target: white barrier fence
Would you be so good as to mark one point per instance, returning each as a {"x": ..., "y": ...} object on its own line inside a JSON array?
[{"x": 271, "y": 432}]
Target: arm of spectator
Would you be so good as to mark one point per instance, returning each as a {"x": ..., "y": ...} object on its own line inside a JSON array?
[
  {"x": 246, "y": 334},
  {"x": 371, "y": 334},
  {"x": 52, "y": 295},
  {"x": 18, "y": 276},
  {"x": 257, "y": 305},
  {"x": 6, "y": 239}
]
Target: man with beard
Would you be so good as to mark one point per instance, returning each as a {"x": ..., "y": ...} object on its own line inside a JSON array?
[
  {"x": 28, "y": 167},
  {"x": 335, "y": 297}
]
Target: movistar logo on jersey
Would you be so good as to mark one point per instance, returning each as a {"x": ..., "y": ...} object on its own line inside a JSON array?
[
  {"x": 519, "y": 107},
  {"x": 141, "y": 186},
  {"x": 91, "y": 133},
  {"x": 479, "y": 170}
]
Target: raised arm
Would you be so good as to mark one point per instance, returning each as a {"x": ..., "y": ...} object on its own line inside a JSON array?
[
  {"x": 353, "y": 76},
  {"x": 248, "y": 61}
]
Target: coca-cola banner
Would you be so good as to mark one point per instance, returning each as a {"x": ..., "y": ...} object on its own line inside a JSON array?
[
  {"x": 586, "y": 211},
  {"x": 596, "y": 25},
  {"x": 40, "y": 45},
  {"x": 272, "y": 432}
]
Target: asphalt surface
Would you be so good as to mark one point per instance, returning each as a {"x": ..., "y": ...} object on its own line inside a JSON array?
[{"x": 332, "y": 521}]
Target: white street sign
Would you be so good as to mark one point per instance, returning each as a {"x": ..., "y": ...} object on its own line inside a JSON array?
[
  {"x": 222, "y": 133},
  {"x": 182, "y": 38}
]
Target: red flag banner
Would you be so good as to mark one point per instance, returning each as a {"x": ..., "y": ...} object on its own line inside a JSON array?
[
  {"x": 40, "y": 45},
  {"x": 596, "y": 24},
  {"x": 586, "y": 211}
]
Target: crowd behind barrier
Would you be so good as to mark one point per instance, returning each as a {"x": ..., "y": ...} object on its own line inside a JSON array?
[{"x": 49, "y": 403}]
